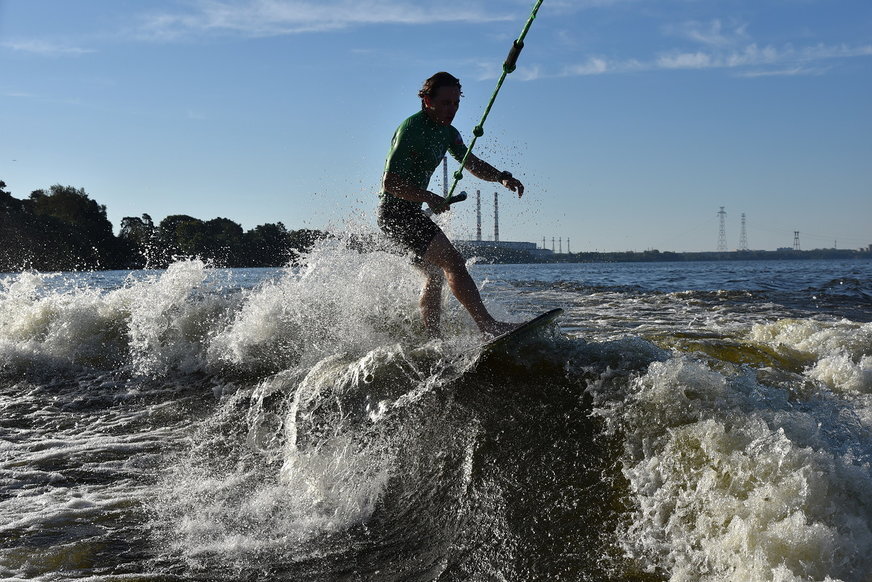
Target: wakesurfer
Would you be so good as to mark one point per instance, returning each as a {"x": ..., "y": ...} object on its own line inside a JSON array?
[{"x": 417, "y": 148}]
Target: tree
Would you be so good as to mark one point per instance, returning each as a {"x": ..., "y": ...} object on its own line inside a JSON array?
[
  {"x": 62, "y": 228},
  {"x": 266, "y": 245},
  {"x": 302, "y": 241},
  {"x": 170, "y": 235},
  {"x": 12, "y": 231},
  {"x": 223, "y": 241},
  {"x": 139, "y": 237},
  {"x": 139, "y": 230},
  {"x": 219, "y": 240},
  {"x": 68, "y": 230},
  {"x": 8, "y": 204},
  {"x": 75, "y": 208}
]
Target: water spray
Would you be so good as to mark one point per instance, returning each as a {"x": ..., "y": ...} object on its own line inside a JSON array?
[{"x": 508, "y": 67}]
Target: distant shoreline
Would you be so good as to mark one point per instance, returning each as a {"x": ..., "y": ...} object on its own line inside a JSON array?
[
  {"x": 496, "y": 254},
  {"x": 492, "y": 254}
]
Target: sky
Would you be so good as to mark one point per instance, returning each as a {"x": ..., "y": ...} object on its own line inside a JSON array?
[{"x": 630, "y": 122}]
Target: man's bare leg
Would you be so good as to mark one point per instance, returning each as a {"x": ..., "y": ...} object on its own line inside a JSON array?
[
  {"x": 443, "y": 254},
  {"x": 431, "y": 297}
]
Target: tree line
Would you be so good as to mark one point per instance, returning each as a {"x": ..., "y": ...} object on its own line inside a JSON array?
[{"x": 63, "y": 229}]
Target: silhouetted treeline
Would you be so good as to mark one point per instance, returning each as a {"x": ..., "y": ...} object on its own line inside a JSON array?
[{"x": 62, "y": 229}]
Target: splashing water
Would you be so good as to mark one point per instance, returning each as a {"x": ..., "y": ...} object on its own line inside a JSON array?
[{"x": 296, "y": 423}]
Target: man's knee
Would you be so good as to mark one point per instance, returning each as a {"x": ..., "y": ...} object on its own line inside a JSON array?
[
  {"x": 443, "y": 254},
  {"x": 432, "y": 273}
]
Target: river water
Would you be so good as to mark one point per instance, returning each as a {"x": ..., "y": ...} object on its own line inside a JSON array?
[{"x": 693, "y": 421}]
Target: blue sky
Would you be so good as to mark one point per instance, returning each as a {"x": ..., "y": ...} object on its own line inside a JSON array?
[{"x": 631, "y": 122}]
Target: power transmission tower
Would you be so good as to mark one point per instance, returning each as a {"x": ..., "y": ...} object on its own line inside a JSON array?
[
  {"x": 722, "y": 235},
  {"x": 796, "y": 240},
  {"x": 743, "y": 237}
]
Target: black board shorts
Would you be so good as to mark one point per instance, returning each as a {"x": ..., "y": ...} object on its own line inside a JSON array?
[{"x": 411, "y": 229}]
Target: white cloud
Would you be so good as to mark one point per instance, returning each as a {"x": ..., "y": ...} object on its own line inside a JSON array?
[
  {"x": 280, "y": 17},
  {"x": 713, "y": 34},
  {"x": 570, "y": 6},
  {"x": 749, "y": 61},
  {"x": 527, "y": 73},
  {"x": 696, "y": 60},
  {"x": 788, "y": 72},
  {"x": 45, "y": 48},
  {"x": 593, "y": 66},
  {"x": 750, "y": 56},
  {"x": 821, "y": 51}
]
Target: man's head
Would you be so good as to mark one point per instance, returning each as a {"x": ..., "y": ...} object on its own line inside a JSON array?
[{"x": 440, "y": 97}]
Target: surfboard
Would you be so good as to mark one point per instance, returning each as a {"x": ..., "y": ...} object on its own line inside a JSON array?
[{"x": 524, "y": 331}]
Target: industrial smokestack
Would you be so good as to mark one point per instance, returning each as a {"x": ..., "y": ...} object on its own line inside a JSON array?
[
  {"x": 496, "y": 217},
  {"x": 478, "y": 215}
]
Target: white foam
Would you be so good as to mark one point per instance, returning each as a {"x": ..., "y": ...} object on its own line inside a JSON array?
[
  {"x": 185, "y": 319},
  {"x": 817, "y": 338},
  {"x": 274, "y": 496},
  {"x": 836, "y": 355},
  {"x": 82, "y": 327},
  {"x": 171, "y": 318},
  {"x": 841, "y": 372},
  {"x": 734, "y": 482},
  {"x": 319, "y": 454},
  {"x": 341, "y": 301}
]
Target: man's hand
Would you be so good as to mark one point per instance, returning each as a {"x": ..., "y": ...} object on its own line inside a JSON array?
[
  {"x": 438, "y": 204},
  {"x": 513, "y": 184}
]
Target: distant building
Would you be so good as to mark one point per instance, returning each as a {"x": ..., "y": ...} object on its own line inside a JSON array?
[
  {"x": 503, "y": 244},
  {"x": 490, "y": 247}
]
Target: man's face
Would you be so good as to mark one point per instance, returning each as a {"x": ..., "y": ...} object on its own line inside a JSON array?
[{"x": 443, "y": 104}]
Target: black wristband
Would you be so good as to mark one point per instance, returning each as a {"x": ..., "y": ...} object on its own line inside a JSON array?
[{"x": 504, "y": 175}]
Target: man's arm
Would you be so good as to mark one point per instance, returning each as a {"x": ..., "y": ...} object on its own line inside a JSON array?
[
  {"x": 483, "y": 170},
  {"x": 401, "y": 188}
]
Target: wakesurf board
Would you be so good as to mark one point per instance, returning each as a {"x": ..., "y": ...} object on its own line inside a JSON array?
[{"x": 523, "y": 332}]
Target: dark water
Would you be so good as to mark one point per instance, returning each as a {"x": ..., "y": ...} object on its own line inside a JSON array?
[{"x": 698, "y": 421}]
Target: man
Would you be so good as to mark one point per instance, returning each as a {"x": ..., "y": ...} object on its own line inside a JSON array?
[{"x": 417, "y": 148}]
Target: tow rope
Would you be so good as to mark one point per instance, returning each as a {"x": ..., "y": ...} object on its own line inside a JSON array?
[{"x": 508, "y": 67}]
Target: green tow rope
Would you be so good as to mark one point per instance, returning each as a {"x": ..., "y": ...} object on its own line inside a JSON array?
[{"x": 508, "y": 67}]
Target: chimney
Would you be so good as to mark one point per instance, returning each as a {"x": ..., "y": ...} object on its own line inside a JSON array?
[
  {"x": 496, "y": 217},
  {"x": 478, "y": 215}
]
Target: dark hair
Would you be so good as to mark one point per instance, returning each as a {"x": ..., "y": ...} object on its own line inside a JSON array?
[{"x": 431, "y": 85}]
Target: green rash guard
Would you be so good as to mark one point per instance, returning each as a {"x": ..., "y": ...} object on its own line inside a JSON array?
[{"x": 417, "y": 148}]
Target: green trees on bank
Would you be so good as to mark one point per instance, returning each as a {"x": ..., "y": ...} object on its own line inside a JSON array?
[{"x": 63, "y": 229}]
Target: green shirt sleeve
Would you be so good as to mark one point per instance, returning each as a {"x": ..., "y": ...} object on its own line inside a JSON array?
[{"x": 457, "y": 148}]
